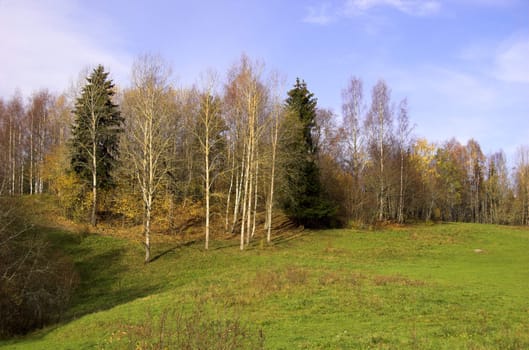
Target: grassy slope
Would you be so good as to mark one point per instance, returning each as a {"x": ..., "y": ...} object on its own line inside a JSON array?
[{"x": 415, "y": 287}]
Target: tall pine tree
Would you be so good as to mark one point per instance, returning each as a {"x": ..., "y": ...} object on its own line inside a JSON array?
[
  {"x": 303, "y": 199},
  {"x": 95, "y": 134}
]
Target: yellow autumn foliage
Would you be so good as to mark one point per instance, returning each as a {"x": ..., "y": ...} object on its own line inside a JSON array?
[{"x": 65, "y": 184}]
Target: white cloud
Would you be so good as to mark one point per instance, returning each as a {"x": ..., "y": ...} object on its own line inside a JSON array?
[
  {"x": 448, "y": 101},
  {"x": 445, "y": 84},
  {"x": 324, "y": 13},
  {"x": 492, "y": 3},
  {"x": 318, "y": 15},
  {"x": 505, "y": 61},
  {"x": 512, "y": 60},
  {"x": 45, "y": 44},
  {"x": 454, "y": 85},
  {"x": 410, "y": 7}
]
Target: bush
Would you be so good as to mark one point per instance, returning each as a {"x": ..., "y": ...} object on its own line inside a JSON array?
[
  {"x": 65, "y": 184},
  {"x": 35, "y": 281}
]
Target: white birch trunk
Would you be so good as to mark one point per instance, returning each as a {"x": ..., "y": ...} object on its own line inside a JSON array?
[
  {"x": 21, "y": 163},
  {"x": 255, "y": 195},
  {"x": 401, "y": 191},
  {"x": 208, "y": 185},
  {"x": 272, "y": 178},
  {"x": 94, "y": 169},
  {"x": 147, "y": 231},
  {"x": 381, "y": 121},
  {"x": 226, "y": 226},
  {"x": 94, "y": 186},
  {"x": 246, "y": 179},
  {"x": 238, "y": 191},
  {"x": 12, "y": 158},
  {"x": 31, "y": 151}
]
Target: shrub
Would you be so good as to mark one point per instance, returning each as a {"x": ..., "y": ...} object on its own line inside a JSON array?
[{"x": 35, "y": 281}]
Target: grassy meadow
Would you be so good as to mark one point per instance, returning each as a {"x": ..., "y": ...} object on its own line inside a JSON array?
[{"x": 444, "y": 286}]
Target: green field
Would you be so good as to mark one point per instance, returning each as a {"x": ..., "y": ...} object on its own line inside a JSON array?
[{"x": 417, "y": 287}]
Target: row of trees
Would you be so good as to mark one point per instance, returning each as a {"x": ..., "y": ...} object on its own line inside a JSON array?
[
  {"x": 239, "y": 149},
  {"x": 199, "y": 145},
  {"x": 390, "y": 174},
  {"x": 28, "y": 133}
]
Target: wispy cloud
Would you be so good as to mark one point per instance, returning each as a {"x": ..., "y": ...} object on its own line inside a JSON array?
[
  {"x": 448, "y": 84},
  {"x": 409, "y": 7},
  {"x": 326, "y": 13},
  {"x": 319, "y": 15},
  {"x": 491, "y": 3},
  {"x": 451, "y": 102},
  {"x": 505, "y": 61},
  {"x": 512, "y": 60},
  {"x": 46, "y": 44},
  {"x": 457, "y": 101}
]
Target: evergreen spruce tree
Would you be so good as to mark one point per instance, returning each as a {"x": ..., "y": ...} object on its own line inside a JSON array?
[
  {"x": 95, "y": 134},
  {"x": 303, "y": 199}
]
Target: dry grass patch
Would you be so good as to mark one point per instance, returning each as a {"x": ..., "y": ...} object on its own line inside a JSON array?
[
  {"x": 296, "y": 276},
  {"x": 268, "y": 281},
  {"x": 330, "y": 278},
  {"x": 175, "y": 329},
  {"x": 384, "y": 280},
  {"x": 274, "y": 281}
]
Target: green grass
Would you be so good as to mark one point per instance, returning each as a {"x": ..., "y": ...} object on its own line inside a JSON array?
[{"x": 418, "y": 287}]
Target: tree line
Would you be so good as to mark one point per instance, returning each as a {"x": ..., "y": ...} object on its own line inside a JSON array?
[{"x": 235, "y": 151}]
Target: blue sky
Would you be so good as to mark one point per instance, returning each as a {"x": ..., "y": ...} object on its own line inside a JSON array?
[{"x": 462, "y": 64}]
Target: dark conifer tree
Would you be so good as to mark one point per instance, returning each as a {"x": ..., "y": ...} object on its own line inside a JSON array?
[
  {"x": 303, "y": 199},
  {"x": 95, "y": 134}
]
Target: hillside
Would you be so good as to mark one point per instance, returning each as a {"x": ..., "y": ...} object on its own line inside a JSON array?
[{"x": 427, "y": 286}]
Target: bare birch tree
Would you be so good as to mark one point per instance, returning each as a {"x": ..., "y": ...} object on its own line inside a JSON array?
[
  {"x": 14, "y": 112},
  {"x": 275, "y": 115},
  {"x": 378, "y": 125},
  {"x": 352, "y": 109},
  {"x": 403, "y": 138},
  {"x": 208, "y": 133},
  {"x": 40, "y": 136},
  {"x": 521, "y": 178},
  {"x": 148, "y": 105},
  {"x": 245, "y": 96}
]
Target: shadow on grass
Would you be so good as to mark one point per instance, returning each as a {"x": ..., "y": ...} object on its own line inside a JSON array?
[
  {"x": 172, "y": 250},
  {"x": 110, "y": 272}
]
